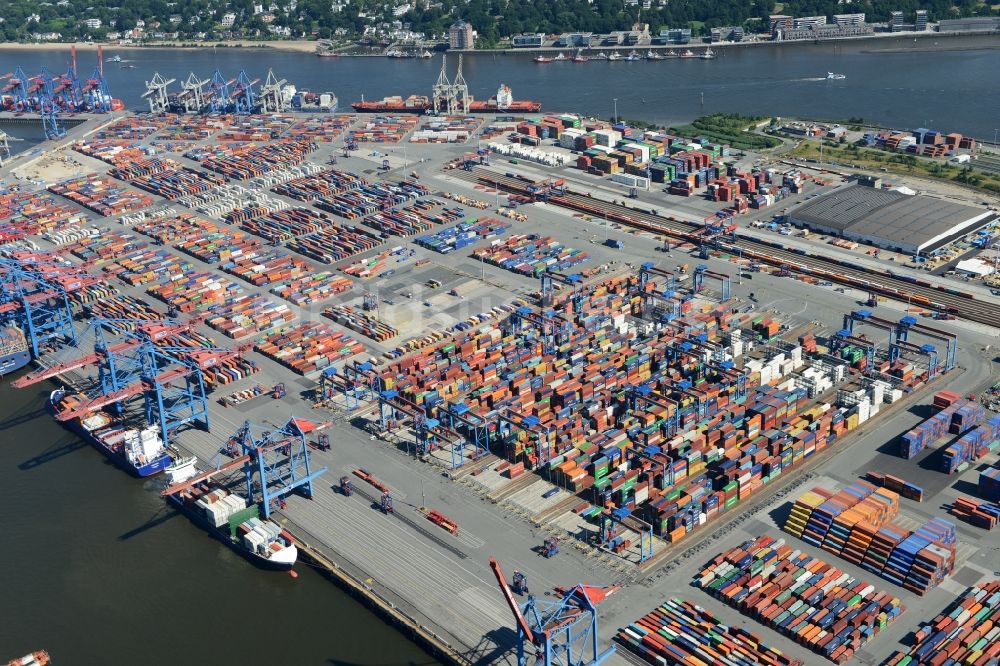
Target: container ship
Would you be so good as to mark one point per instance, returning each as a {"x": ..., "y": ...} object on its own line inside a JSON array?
[
  {"x": 502, "y": 101},
  {"x": 139, "y": 451},
  {"x": 227, "y": 517},
  {"x": 40, "y": 658},
  {"x": 14, "y": 352}
]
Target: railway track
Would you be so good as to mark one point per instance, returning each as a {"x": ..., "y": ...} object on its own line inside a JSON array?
[{"x": 905, "y": 289}]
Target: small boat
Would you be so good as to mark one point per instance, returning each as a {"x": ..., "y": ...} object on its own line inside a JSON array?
[
  {"x": 560, "y": 56},
  {"x": 672, "y": 54},
  {"x": 600, "y": 55},
  {"x": 327, "y": 54},
  {"x": 615, "y": 56},
  {"x": 707, "y": 54},
  {"x": 128, "y": 66},
  {"x": 579, "y": 57},
  {"x": 39, "y": 658},
  {"x": 653, "y": 55},
  {"x": 114, "y": 58},
  {"x": 688, "y": 54},
  {"x": 540, "y": 59},
  {"x": 426, "y": 54},
  {"x": 830, "y": 76},
  {"x": 632, "y": 57}
]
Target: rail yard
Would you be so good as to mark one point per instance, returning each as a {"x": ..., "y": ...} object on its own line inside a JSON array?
[{"x": 493, "y": 397}]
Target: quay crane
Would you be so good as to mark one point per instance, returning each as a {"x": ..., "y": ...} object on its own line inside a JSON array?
[{"x": 560, "y": 632}]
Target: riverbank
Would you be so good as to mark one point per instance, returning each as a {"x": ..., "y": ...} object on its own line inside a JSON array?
[{"x": 309, "y": 46}]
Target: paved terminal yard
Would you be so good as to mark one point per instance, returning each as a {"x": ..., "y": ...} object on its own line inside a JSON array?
[{"x": 443, "y": 582}]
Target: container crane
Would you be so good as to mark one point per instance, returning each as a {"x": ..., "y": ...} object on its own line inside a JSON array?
[
  {"x": 271, "y": 100},
  {"x": 156, "y": 94},
  {"x": 193, "y": 95},
  {"x": 276, "y": 462},
  {"x": 42, "y": 306},
  {"x": 244, "y": 98},
  {"x": 557, "y": 632}
]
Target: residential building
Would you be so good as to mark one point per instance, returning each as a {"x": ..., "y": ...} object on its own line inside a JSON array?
[
  {"x": 730, "y": 33},
  {"x": 974, "y": 24},
  {"x": 461, "y": 36},
  {"x": 895, "y": 21},
  {"x": 808, "y": 22},
  {"x": 528, "y": 41},
  {"x": 828, "y": 32},
  {"x": 575, "y": 40},
  {"x": 849, "y": 19},
  {"x": 676, "y": 35},
  {"x": 780, "y": 23},
  {"x": 920, "y": 22},
  {"x": 228, "y": 20},
  {"x": 399, "y": 10},
  {"x": 92, "y": 23}
]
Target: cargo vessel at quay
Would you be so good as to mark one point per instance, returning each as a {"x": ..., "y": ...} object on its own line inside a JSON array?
[
  {"x": 503, "y": 101},
  {"x": 140, "y": 451},
  {"x": 14, "y": 351},
  {"x": 228, "y": 517}
]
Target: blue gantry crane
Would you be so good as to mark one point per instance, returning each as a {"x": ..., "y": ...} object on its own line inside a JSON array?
[
  {"x": 40, "y": 305},
  {"x": 277, "y": 463},
  {"x": 562, "y": 632},
  {"x": 244, "y": 98}
]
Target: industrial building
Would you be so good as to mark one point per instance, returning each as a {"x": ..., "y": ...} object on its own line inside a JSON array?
[{"x": 890, "y": 219}]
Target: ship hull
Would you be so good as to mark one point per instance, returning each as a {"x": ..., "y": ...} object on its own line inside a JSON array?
[
  {"x": 152, "y": 468},
  {"x": 14, "y": 361},
  {"x": 223, "y": 536},
  {"x": 476, "y": 107}
]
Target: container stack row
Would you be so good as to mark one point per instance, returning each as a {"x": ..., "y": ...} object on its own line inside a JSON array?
[
  {"x": 335, "y": 243},
  {"x": 384, "y": 129},
  {"x": 325, "y": 128},
  {"x": 228, "y": 371},
  {"x": 416, "y": 218},
  {"x": 897, "y": 485},
  {"x": 194, "y": 291},
  {"x": 854, "y": 524},
  {"x": 323, "y": 184},
  {"x": 989, "y": 483},
  {"x": 370, "y": 198},
  {"x": 800, "y": 596},
  {"x": 282, "y": 225},
  {"x": 245, "y": 315},
  {"x": 980, "y": 514},
  {"x": 244, "y": 161},
  {"x": 135, "y": 127},
  {"x": 531, "y": 255},
  {"x": 971, "y": 446},
  {"x": 101, "y": 195},
  {"x": 678, "y": 632},
  {"x": 954, "y": 416},
  {"x": 122, "y": 306},
  {"x": 362, "y": 322},
  {"x": 266, "y": 266},
  {"x": 308, "y": 347},
  {"x": 463, "y": 235},
  {"x": 35, "y": 213},
  {"x": 449, "y": 129},
  {"x": 967, "y": 632},
  {"x": 312, "y": 288},
  {"x": 177, "y": 182}
]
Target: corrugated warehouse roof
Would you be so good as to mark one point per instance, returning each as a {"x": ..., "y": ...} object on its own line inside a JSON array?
[{"x": 900, "y": 219}]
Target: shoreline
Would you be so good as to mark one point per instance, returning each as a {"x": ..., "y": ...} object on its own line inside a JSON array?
[{"x": 309, "y": 46}]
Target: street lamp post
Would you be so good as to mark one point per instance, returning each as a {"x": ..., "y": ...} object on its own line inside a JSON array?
[{"x": 615, "y": 119}]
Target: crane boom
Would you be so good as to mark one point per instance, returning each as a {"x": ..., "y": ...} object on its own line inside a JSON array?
[
  {"x": 194, "y": 480},
  {"x": 102, "y": 401},
  {"x": 511, "y": 601},
  {"x": 60, "y": 368}
]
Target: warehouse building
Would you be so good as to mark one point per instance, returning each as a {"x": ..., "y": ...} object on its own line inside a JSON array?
[{"x": 890, "y": 219}]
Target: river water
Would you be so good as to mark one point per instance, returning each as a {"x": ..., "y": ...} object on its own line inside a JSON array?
[
  {"x": 944, "y": 82},
  {"x": 97, "y": 570}
]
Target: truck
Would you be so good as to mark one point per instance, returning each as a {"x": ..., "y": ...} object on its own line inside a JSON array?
[{"x": 614, "y": 243}]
